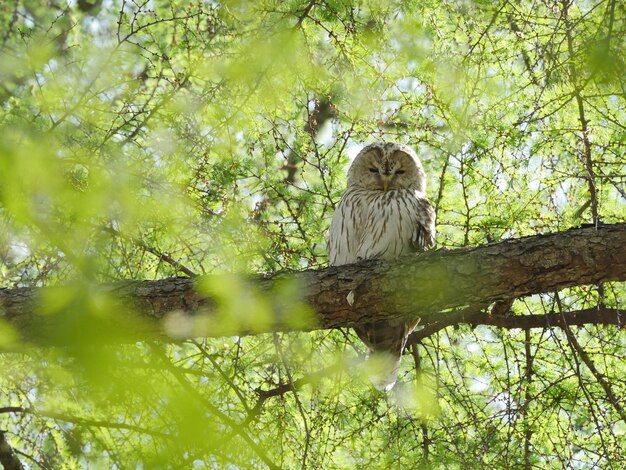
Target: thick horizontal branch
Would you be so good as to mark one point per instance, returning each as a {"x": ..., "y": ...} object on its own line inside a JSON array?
[{"x": 424, "y": 285}]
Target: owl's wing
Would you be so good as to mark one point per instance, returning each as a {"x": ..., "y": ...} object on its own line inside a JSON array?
[
  {"x": 424, "y": 236},
  {"x": 344, "y": 232}
]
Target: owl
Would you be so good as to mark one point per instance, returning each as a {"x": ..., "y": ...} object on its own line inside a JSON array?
[{"x": 383, "y": 214}]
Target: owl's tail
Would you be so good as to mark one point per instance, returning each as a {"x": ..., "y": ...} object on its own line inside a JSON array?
[
  {"x": 385, "y": 373},
  {"x": 386, "y": 341}
]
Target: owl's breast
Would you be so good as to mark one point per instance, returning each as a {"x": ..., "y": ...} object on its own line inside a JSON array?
[
  {"x": 389, "y": 223},
  {"x": 374, "y": 224}
]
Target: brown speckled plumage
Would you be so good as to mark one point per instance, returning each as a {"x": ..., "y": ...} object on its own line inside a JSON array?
[{"x": 384, "y": 213}]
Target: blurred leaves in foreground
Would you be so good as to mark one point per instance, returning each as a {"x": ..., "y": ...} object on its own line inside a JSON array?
[{"x": 143, "y": 140}]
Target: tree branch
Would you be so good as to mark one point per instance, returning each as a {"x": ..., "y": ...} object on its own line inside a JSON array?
[
  {"x": 437, "y": 286},
  {"x": 8, "y": 458},
  {"x": 83, "y": 421}
]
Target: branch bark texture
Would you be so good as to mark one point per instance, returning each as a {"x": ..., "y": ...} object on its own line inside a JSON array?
[
  {"x": 427, "y": 285},
  {"x": 8, "y": 458}
]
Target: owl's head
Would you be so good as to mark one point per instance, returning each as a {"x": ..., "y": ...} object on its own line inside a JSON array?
[{"x": 385, "y": 166}]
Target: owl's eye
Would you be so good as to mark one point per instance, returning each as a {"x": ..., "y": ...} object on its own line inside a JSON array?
[
  {"x": 399, "y": 172},
  {"x": 373, "y": 170}
]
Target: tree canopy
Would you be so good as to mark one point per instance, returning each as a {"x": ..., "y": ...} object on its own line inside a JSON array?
[{"x": 149, "y": 140}]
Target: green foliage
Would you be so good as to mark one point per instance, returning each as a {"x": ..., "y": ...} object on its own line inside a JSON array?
[{"x": 144, "y": 140}]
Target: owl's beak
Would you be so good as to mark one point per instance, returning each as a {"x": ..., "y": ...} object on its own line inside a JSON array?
[{"x": 385, "y": 180}]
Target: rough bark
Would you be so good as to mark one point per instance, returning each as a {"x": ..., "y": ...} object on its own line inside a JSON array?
[
  {"x": 8, "y": 458},
  {"x": 427, "y": 285}
]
